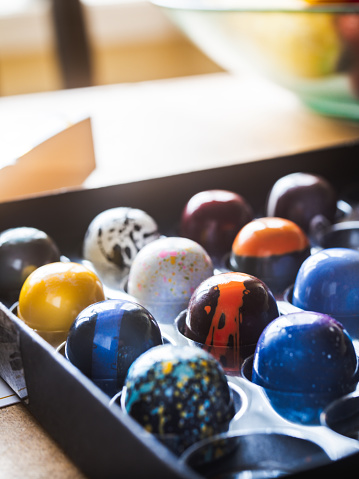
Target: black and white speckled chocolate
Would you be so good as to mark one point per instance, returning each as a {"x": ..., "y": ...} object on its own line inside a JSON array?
[{"x": 113, "y": 239}]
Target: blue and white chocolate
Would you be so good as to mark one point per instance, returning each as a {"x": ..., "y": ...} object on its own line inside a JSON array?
[{"x": 113, "y": 239}]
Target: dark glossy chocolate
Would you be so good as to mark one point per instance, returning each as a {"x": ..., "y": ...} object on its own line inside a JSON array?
[
  {"x": 22, "y": 250},
  {"x": 301, "y": 197}
]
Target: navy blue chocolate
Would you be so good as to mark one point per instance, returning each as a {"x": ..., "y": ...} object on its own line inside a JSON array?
[{"x": 107, "y": 337}]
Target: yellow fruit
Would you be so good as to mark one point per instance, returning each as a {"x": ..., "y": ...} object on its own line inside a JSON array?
[{"x": 299, "y": 44}]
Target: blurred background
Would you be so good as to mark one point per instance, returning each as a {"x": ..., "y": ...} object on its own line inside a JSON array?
[{"x": 47, "y": 45}]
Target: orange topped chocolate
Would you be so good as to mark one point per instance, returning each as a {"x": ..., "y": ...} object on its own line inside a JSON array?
[
  {"x": 272, "y": 249},
  {"x": 269, "y": 236}
]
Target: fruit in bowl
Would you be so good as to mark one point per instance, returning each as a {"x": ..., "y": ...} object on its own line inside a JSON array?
[
  {"x": 318, "y": 2},
  {"x": 309, "y": 47}
]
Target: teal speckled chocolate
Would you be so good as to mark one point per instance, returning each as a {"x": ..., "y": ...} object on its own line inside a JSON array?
[{"x": 180, "y": 394}]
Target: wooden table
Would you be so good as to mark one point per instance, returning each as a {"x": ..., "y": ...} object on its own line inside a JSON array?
[{"x": 150, "y": 129}]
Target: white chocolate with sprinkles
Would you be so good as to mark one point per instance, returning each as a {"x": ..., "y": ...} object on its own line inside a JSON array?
[{"x": 165, "y": 273}]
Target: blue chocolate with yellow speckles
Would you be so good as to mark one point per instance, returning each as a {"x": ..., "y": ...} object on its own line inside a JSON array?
[
  {"x": 107, "y": 337},
  {"x": 180, "y": 394}
]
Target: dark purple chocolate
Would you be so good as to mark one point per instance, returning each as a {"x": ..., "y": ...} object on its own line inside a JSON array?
[{"x": 212, "y": 218}]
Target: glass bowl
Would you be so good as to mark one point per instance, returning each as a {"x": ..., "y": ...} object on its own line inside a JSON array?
[{"x": 311, "y": 49}]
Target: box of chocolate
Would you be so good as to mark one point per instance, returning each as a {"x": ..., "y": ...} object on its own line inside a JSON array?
[{"x": 198, "y": 325}]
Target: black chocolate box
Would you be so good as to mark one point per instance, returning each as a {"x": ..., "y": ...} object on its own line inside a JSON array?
[{"x": 102, "y": 441}]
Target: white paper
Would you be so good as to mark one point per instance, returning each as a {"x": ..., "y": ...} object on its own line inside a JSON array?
[{"x": 7, "y": 395}]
